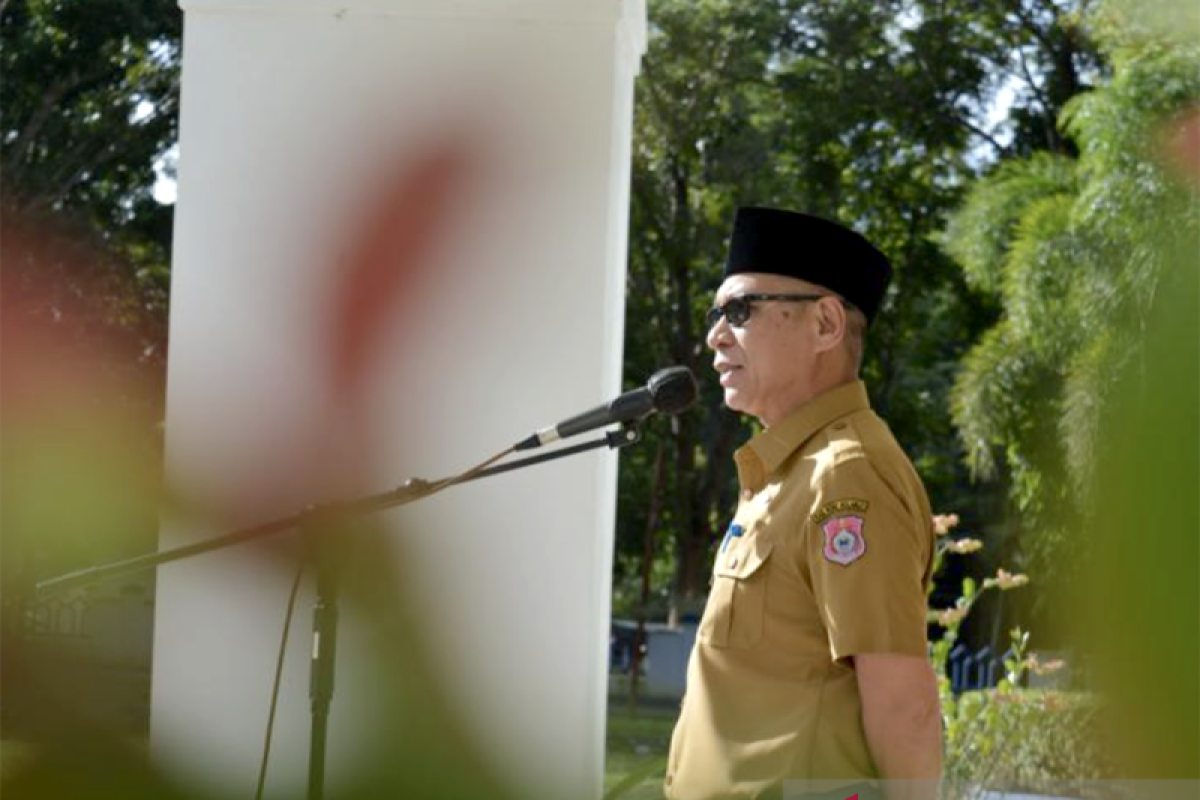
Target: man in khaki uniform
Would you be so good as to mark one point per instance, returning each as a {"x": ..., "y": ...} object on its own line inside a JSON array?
[{"x": 810, "y": 668}]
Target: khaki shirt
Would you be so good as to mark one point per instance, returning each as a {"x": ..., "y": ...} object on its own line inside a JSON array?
[{"x": 828, "y": 556}]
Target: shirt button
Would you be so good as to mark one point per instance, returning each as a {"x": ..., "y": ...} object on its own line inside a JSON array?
[
  {"x": 733, "y": 562},
  {"x": 840, "y": 426},
  {"x": 747, "y": 494}
]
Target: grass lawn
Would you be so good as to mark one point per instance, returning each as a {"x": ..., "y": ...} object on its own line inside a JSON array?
[{"x": 637, "y": 745}]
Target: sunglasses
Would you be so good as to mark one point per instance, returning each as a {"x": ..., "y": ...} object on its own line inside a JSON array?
[{"x": 738, "y": 309}]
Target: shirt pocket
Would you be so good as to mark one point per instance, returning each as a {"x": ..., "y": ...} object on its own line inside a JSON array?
[{"x": 737, "y": 602}]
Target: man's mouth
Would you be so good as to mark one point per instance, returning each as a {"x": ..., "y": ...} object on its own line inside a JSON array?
[{"x": 726, "y": 372}]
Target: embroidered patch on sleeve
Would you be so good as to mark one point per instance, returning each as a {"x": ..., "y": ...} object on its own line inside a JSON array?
[
  {"x": 850, "y": 505},
  {"x": 844, "y": 542}
]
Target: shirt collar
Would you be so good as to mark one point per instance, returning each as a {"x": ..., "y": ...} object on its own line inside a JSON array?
[{"x": 763, "y": 454}]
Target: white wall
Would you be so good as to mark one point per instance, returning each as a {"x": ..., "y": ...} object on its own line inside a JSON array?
[{"x": 294, "y": 115}]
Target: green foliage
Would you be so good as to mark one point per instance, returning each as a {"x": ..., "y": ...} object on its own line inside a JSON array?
[
  {"x": 1023, "y": 739},
  {"x": 626, "y": 591},
  {"x": 90, "y": 97},
  {"x": 1073, "y": 251},
  {"x": 636, "y": 750},
  {"x": 1134, "y": 22},
  {"x": 867, "y": 112},
  {"x": 1149, "y": 461},
  {"x": 701, "y": 126},
  {"x": 979, "y": 235},
  {"x": 1008, "y": 736}
]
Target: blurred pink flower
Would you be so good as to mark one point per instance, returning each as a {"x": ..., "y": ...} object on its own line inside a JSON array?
[
  {"x": 1044, "y": 668},
  {"x": 964, "y": 546},
  {"x": 952, "y": 616},
  {"x": 944, "y": 523},
  {"x": 1006, "y": 580}
]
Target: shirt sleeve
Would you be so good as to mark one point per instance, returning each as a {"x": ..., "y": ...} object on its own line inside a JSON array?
[{"x": 868, "y": 553}]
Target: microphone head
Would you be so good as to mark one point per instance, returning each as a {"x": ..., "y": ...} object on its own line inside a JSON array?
[{"x": 674, "y": 389}]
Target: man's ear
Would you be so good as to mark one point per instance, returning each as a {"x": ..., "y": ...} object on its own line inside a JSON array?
[{"x": 830, "y": 317}]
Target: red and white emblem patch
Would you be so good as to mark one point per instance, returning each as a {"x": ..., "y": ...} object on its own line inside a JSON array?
[{"x": 844, "y": 542}]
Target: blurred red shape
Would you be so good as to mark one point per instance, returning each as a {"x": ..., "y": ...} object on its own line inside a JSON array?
[
  {"x": 1183, "y": 146},
  {"x": 393, "y": 247}
]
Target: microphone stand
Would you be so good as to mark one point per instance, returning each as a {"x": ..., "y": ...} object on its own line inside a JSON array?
[{"x": 312, "y": 523}]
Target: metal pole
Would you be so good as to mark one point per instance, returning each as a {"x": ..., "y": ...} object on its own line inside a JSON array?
[{"x": 328, "y": 561}]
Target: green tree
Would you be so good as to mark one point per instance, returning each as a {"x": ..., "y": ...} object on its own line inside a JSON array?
[
  {"x": 90, "y": 104},
  {"x": 1073, "y": 251},
  {"x": 90, "y": 95},
  {"x": 874, "y": 113},
  {"x": 697, "y": 130}
]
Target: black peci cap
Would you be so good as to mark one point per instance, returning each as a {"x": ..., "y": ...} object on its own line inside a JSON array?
[{"x": 811, "y": 249}]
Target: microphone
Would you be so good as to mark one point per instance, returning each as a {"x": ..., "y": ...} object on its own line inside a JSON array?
[{"x": 672, "y": 390}]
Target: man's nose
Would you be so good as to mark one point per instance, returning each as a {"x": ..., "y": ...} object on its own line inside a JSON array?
[{"x": 719, "y": 335}]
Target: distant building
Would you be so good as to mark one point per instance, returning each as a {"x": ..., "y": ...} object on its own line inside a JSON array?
[
  {"x": 109, "y": 623},
  {"x": 91, "y": 650},
  {"x": 664, "y": 664}
]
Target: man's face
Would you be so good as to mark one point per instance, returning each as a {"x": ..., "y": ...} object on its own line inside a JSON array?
[{"x": 765, "y": 365}]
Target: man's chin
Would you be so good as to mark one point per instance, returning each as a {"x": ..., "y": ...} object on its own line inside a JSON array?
[{"x": 734, "y": 401}]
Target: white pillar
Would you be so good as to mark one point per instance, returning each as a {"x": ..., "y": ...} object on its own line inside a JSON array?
[{"x": 296, "y": 116}]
